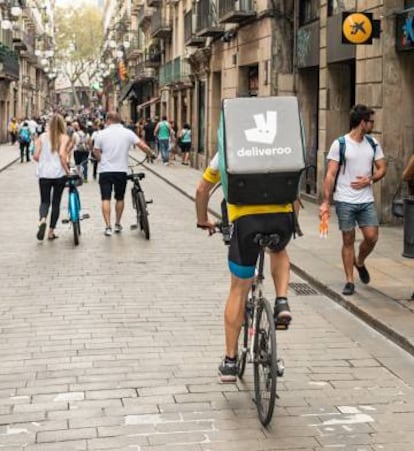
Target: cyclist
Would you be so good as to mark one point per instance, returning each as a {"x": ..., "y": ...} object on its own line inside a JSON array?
[
  {"x": 247, "y": 221},
  {"x": 111, "y": 148}
]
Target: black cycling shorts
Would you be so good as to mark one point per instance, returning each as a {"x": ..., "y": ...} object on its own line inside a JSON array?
[
  {"x": 243, "y": 251},
  {"x": 113, "y": 180}
]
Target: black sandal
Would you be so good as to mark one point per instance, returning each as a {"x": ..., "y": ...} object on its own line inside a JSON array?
[
  {"x": 52, "y": 237},
  {"x": 41, "y": 232}
]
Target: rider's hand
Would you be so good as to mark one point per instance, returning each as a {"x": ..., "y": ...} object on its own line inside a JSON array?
[
  {"x": 361, "y": 182},
  {"x": 207, "y": 225},
  {"x": 324, "y": 209}
]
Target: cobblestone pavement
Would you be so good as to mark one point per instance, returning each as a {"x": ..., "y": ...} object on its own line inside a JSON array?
[{"x": 114, "y": 345}]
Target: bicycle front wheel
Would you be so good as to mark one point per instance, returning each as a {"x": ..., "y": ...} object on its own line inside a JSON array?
[
  {"x": 143, "y": 215},
  {"x": 265, "y": 362},
  {"x": 76, "y": 231}
]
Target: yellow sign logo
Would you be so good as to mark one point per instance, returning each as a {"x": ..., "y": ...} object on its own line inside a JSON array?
[{"x": 357, "y": 28}]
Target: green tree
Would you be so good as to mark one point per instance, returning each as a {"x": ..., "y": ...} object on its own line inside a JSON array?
[{"x": 79, "y": 37}]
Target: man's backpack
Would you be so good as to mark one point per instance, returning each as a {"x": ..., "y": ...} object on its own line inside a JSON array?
[
  {"x": 342, "y": 160},
  {"x": 261, "y": 152},
  {"x": 82, "y": 145},
  {"x": 24, "y": 135}
]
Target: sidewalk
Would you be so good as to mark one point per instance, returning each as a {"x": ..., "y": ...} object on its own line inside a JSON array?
[
  {"x": 8, "y": 154},
  {"x": 384, "y": 303}
]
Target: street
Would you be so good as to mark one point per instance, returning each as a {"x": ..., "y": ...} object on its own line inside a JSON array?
[{"x": 114, "y": 344}]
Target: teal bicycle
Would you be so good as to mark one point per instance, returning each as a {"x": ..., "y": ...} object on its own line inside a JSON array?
[{"x": 74, "y": 206}]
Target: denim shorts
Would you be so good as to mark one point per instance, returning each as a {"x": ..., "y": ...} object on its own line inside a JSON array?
[{"x": 349, "y": 215}]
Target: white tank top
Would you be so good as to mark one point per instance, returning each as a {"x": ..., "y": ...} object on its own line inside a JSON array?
[{"x": 50, "y": 166}]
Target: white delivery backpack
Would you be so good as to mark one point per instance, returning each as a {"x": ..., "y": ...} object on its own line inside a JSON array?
[{"x": 261, "y": 151}]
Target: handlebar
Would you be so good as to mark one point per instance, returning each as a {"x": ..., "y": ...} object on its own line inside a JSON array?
[{"x": 220, "y": 227}]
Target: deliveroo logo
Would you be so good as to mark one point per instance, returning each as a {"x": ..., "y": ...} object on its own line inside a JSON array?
[
  {"x": 264, "y": 133},
  {"x": 266, "y": 129}
]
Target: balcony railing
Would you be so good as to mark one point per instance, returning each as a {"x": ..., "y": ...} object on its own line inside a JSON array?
[
  {"x": 144, "y": 14},
  {"x": 23, "y": 41},
  {"x": 152, "y": 58},
  {"x": 235, "y": 11},
  {"x": 135, "y": 48},
  {"x": 190, "y": 26},
  {"x": 160, "y": 25},
  {"x": 9, "y": 63},
  {"x": 145, "y": 73},
  {"x": 207, "y": 19},
  {"x": 174, "y": 72}
]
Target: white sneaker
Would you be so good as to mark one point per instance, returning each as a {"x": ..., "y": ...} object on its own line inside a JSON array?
[
  {"x": 118, "y": 228},
  {"x": 108, "y": 231}
]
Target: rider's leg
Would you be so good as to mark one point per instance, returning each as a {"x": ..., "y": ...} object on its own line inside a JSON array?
[
  {"x": 280, "y": 269},
  {"x": 234, "y": 313}
]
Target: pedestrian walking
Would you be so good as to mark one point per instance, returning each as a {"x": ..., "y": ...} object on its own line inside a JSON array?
[
  {"x": 408, "y": 176},
  {"x": 51, "y": 153},
  {"x": 80, "y": 150},
  {"x": 184, "y": 140},
  {"x": 162, "y": 132},
  {"x": 97, "y": 127},
  {"x": 173, "y": 149},
  {"x": 111, "y": 148},
  {"x": 149, "y": 136},
  {"x": 25, "y": 139},
  {"x": 13, "y": 128},
  {"x": 355, "y": 162}
]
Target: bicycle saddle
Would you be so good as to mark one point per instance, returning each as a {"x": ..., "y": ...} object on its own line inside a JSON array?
[
  {"x": 139, "y": 176},
  {"x": 264, "y": 240}
]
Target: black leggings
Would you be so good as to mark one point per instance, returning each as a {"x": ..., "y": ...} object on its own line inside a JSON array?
[
  {"x": 24, "y": 147},
  {"x": 46, "y": 186}
]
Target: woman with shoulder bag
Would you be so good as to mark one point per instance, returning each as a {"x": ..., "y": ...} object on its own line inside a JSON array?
[
  {"x": 185, "y": 143},
  {"x": 51, "y": 152}
]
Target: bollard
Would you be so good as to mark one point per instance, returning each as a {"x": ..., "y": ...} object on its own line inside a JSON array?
[{"x": 408, "y": 228}]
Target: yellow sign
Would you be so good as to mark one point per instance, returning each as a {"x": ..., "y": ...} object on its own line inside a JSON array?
[{"x": 357, "y": 28}]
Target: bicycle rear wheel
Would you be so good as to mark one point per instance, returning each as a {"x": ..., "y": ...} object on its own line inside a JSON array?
[
  {"x": 143, "y": 214},
  {"x": 265, "y": 362},
  {"x": 243, "y": 346},
  {"x": 76, "y": 231}
]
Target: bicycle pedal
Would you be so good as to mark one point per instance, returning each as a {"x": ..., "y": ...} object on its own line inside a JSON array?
[
  {"x": 134, "y": 226},
  {"x": 149, "y": 201},
  {"x": 65, "y": 221},
  {"x": 281, "y": 326},
  {"x": 85, "y": 216}
]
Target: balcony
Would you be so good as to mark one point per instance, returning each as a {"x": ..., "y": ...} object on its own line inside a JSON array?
[
  {"x": 144, "y": 15},
  {"x": 9, "y": 63},
  {"x": 154, "y": 3},
  {"x": 176, "y": 71},
  {"x": 160, "y": 25},
  {"x": 135, "y": 49},
  {"x": 152, "y": 58},
  {"x": 143, "y": 73},
  {"x": 23, "y": 41},
  {"x": 190, "y": 26},
  {"x": 231, "y": 11},
  {"x": 207, "y": 19}
]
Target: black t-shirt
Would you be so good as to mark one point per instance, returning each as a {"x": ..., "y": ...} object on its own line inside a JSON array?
[{"x": 149, "y": 131}]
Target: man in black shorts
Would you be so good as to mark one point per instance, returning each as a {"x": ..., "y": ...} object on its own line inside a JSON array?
[
  {"x": 247, "y": 221},
  {"x": 111, "y": 149}
]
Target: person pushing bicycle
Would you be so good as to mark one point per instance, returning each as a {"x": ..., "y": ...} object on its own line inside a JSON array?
[{"x": 247, "y": 221}]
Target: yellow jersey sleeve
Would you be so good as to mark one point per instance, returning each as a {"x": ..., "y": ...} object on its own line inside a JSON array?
[{"x": 212, "y": 173}]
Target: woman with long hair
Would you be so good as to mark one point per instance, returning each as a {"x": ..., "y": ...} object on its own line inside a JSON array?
[{"x": 51, "y": 152}]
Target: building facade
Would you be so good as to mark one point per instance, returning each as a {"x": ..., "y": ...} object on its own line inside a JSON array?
[
  {"x": 189, "y": 55},
  {"x": 26, "y": 60}
]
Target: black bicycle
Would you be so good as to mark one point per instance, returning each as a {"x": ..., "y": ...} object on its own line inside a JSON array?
[
  {"x": 257, "y": 340},
  {"x": 139, "y": 203}
]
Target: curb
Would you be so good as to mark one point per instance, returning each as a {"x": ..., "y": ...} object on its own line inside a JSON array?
[
  {"x": 9, "y": 164},
  {"x": 376, "y": 324}
]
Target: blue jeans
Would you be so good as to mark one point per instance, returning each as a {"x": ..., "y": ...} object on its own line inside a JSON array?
[
  {"x": 349, "y": 215},
  {"x": 164, "y": 145}
]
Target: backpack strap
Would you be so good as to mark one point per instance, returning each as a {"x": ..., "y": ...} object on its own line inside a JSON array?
[
  {"x": 374, "y": 146},
  {"x": 342, "y": 162}
]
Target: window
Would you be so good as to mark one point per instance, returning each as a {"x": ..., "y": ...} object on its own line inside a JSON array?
[
  {"x": 309, "y": 11},
  {"x": 409, "y": 4},
  {"x": 338, "y": 6}
]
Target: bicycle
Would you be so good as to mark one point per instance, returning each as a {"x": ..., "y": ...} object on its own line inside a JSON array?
[
  {"x": 74, "y": 206},
  {"x": 257, "y": 340},
  {"x": 139, "y": 203}
]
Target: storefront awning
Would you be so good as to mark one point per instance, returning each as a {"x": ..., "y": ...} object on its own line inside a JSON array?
[
  {"x": 148, "y": 103},
  {"x": 125, "y": 93}
]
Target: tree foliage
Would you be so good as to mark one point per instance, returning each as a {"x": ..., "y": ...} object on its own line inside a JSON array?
[{"x": 79, "y": 37}]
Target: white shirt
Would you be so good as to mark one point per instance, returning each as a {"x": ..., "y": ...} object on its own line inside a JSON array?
[
  {"x": 50, "y": 166},
  {"x": 114, "y": 143},
  {"x": 358, "y": 163}
]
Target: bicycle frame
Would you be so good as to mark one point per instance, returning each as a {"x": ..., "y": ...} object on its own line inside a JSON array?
[{"x": 74, "y": 205}]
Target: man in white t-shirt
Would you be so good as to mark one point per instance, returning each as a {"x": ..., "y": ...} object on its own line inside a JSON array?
[
  {"x": 111, "y": 148},
  {"x": 362, "y": 164}
]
